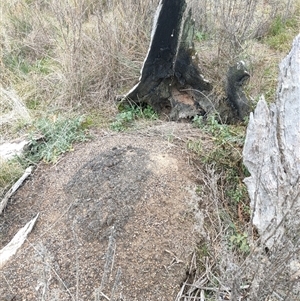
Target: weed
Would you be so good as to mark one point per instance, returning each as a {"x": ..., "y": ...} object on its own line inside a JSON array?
[
  {"x": 238, "y": 194},
  {"x": 202, "y": 250},
  {"x": 57, "y": 136},
  {"x": 240, "y": 242},
  {"x": 279, "y": 25},
  {"x": 195, "y": 146},
  {"x": 129, "y": 113},
  {"x": 201, "y": 36},
  {"x": 18, "y": 63}
]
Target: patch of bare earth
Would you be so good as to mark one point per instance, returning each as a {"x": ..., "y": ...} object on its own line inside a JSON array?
[{"x": 117, "y": 219}]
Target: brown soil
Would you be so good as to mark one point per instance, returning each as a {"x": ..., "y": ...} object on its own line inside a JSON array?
[{"x": 117, "y": 218}]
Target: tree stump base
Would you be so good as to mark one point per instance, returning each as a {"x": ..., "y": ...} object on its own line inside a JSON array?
[{"x": 171, "y": 81}]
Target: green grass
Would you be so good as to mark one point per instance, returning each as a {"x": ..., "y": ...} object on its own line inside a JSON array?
[
  {"x": 55, "y": 137},
  {"x": 18, "y": 62},
  {"x": 129, "y": 113},
  {"x": 282, "y": 33},
  {"x": 228, "y": 141},
  {"x": 50, "y": 138}
]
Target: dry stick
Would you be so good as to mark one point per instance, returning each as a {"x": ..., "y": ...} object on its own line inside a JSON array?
[
  {"x": 116, "y": 284},
  {"x": 10, "y": 288},
  {"x": 54, "y": 271},
  {"x": 110, "y": 254},
  {"x": 14, "y": 188},
  {"x": 74, "y": 230},
  {"x": 180, "y": 294},
  {"x": 103, "y": 295}
]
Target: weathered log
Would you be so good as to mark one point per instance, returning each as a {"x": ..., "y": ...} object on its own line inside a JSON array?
[
  {"x": 272, "y": 156},
  {"x": 171, "y": 80}
]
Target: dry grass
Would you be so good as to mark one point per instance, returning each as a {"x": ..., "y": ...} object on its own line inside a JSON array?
[
  {"x": 229, "y": 31},
  {"x": 78, "y": 55},
  {"x": 220, "y": 272},
  {"x": 73, "y": 54},
  {"x": 9, "y": 173}
]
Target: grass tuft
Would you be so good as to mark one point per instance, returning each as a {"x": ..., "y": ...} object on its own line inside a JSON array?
[
  {"x": 56, "y": 136},
  {"x": 282, "y": 33},
  {"x": 129, "y": 114}
]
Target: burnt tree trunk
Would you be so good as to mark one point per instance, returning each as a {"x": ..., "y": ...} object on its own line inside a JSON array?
[{"x": 171, "y": 81}]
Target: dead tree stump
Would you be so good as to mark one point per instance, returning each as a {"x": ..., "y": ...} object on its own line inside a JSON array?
[
  {"x": 171, "y": 80},
  {"x": 271, "y": 154}
]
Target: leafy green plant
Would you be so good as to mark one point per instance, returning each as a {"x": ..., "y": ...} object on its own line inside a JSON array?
[
  {"x": 238, "y": 194},
  {"x": 130, "y": 113},
  {"x": 201, "y": 36},
  {"x": 56, "y": 137},
  {"x": 240, "y": 242},
  {"x": 148, "y": 113}
]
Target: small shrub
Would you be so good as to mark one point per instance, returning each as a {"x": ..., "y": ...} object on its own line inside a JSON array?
[
  {"x": 228, "y": 140},
  {"x": 57, "y": 137},
  {"x": 240, "y": 242}
]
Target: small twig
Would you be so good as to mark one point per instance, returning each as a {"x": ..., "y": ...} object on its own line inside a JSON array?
[
  {"x": 174, "y": 258},
  {"x": 51, "y": 268},
  {"x": 14, "y": 188},
  {"x": 10, "y": 288},
  {"x": 103, "y": 295},
  {"x": 202, "y": 296},
  {"x": 116, "y": 284},
  {"x": 108, "y": 267},
  {"x": 180, "y": 294}
]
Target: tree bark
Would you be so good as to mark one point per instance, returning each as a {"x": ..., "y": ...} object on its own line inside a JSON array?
[{"x": 272, "y": 156}]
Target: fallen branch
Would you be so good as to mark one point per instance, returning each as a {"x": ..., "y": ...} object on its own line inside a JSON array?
[
  {"x": 11, "y": 248},
  {"x": 14, "y": 188}
]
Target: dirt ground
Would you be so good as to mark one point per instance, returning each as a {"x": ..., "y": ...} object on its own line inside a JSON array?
[{"x": 119, "y": 220}]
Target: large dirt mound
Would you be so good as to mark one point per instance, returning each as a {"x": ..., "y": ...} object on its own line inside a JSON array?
[{"x": 117, "y": 218}]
